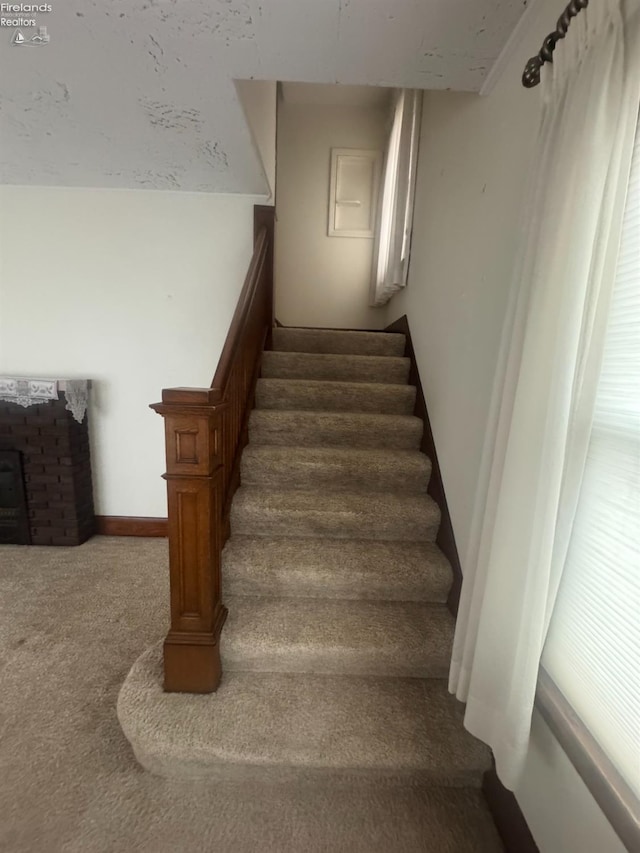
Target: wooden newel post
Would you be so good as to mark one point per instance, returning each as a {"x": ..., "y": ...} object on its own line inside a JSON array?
[
  {"x": 205, "y": 431},
  {"x": 193, "y": 435}
]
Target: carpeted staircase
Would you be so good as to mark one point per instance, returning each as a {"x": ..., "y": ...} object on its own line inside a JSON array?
[{"x": 337, "y": 645}]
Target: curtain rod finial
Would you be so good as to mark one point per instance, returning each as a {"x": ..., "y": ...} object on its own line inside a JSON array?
[{"x": 531, "y": 74}]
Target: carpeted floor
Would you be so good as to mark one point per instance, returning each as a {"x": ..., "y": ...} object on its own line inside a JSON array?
[{"x": 72, "y": 622}]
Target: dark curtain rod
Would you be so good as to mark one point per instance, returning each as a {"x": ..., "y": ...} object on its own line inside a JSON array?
[{"x": 531, "y": 74}]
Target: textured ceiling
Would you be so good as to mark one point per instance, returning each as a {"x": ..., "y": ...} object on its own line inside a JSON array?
[{"x": 139, "y": 93}]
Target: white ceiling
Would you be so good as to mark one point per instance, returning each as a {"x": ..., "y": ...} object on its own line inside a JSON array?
[{"x": 139, "y": 93}]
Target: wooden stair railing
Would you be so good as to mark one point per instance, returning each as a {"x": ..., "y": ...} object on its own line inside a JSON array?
[{"x": 205, "y": 432}]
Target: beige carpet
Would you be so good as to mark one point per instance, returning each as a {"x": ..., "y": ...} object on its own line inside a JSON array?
[
  {"x": 346, "y": 682},
  {"x": 72, "y": 621}
]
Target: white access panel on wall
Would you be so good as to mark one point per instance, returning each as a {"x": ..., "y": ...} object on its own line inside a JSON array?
[{"x": 353, "y": 194}]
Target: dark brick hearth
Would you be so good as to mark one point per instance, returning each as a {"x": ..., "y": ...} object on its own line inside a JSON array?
[{"x": 57, "y": 470}]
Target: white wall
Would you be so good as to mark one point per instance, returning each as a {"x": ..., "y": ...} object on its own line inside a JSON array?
[
  {"x": 259, "y": 101},
  {"x": 474, "y": 157},
  {"x": 320, "y": 280},
  {"x": 559, "y": 809},
  {"x": 473, "y": 161},
  {"x": 133, "y": 289}
]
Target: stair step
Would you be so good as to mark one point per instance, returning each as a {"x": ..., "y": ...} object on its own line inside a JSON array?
[
  {"x": 346, "y": 368},
  {"x": 316, "y": 395},
  {"x": 338, "y": 342},
  {"x": 344, "y": 469},
  {"x": 287, "y": 726},
  {"x": 385, "y": 638},
  {"x": 335, "y": 568},
  {"x": 340, "y": 515},
  {"x": 334, "y": 429}
]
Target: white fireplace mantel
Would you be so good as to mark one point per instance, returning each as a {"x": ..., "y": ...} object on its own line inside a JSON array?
[{"x": 30, "y": 391}]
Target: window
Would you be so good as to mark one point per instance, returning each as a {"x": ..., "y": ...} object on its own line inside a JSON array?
[{"x": 593, "y": 647}]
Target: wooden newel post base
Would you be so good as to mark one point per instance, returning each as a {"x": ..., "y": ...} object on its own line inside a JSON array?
[
  {"x": 195, "y": 504},
  {"x": 192, "y": 666}
]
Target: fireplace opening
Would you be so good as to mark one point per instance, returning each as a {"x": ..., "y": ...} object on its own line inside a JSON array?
[
  {"x": 14, "y": 518},
  {"x": 46, "y": 462}
]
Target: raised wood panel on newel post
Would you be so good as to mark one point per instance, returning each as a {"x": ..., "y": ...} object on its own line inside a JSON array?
[{"x": 205, "y": 432}]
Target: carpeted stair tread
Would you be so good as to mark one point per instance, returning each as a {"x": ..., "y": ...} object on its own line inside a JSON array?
[
  {"x": 338, "y": 342},
  {"x": 334, "y": 429},
  {"x": 392, "y": 370},
  {"x": 337, "y": 515},
  {"x": 279, "y": 726},
  {"x": 335, "y": 568},
  {"x": 336, "y": 469},
  {"x": 385, "y": 638},
  {"x": 318, "y": 395}
]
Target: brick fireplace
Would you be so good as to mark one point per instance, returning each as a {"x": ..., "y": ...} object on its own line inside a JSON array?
[{"x": 51, "y": 454}]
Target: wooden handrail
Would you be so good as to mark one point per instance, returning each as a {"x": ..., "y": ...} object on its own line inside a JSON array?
[
  {"x": 205, "y": 432},
  {"x": 241, "y": 316}
]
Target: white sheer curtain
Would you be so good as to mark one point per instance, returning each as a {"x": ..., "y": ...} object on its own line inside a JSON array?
[
  {"x": 546, "y": 381},
  {"x": 592, "y": 651},
  {"x": 393, "y": 237}
]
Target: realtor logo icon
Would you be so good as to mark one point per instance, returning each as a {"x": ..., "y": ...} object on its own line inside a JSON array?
[{"x": 42, "y": 37}]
